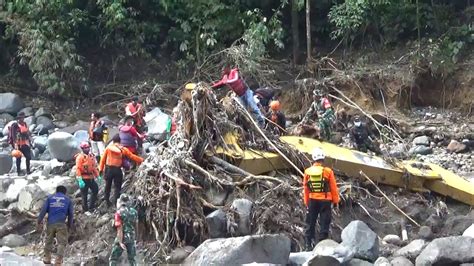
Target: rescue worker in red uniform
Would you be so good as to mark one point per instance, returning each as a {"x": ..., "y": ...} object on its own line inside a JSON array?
[
  {"x": 86, "y": 174},
  {"x": 20, "y": 139},
  {"x": 277, "y": 118},
  {"x": 320, "y": 192},
  {"x": 135, "y": 109}
]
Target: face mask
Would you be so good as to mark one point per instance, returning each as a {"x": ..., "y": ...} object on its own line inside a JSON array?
[{"x": 357, "y": 124}]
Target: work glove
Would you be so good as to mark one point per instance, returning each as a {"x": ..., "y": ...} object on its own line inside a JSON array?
[
  {"x": 99, "y": 180},
  {"x": 80, "y": 182}
]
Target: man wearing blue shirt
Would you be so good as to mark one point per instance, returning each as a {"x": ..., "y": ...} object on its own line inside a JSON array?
[{"x": 58, "y": 206}]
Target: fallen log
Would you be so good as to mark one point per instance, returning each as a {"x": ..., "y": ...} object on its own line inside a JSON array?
[
  {"x": 9, "y": 228},
  {"x": 228, "y": 167}
]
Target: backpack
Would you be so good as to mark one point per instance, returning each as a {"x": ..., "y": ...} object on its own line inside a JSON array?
[
  {"x": 316, "y": 182},
  {"x": 12, "y": 132}
]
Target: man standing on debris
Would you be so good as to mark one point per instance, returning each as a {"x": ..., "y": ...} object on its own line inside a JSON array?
[
  {"x": 135, "y": 110},
  {"x": 97, "y": 129},
  {"x": 126, "y": 222},
  {"x": 20, "y": 139},
  {"x": 361, "y": 136},
  {"x": 112, "y": 161},
  {"x": 321, "y": 109},
  {"x": 276, "y": 119},
  {"x": 86, "y": 173},
  {"x": 232, "y": 78},
  {"x": 59, "y": 207},
  {"x": 320, "y": 191}
]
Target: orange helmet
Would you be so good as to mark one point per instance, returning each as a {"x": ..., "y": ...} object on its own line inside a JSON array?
[
  {"x": 275, "y": 105},
  {"x": 17, "y": 153}
]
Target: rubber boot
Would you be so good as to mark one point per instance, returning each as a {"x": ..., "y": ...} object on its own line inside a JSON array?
[
  {"x": 47, "y": 258},
  {"x": 58, "y": 261}
]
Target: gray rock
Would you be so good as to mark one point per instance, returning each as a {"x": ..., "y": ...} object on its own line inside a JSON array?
[
  {"x": 63, "y": 146},
  {"x": 11, "y": 103},
  {"x": 243, "y": 207},
  {"x": 13, "y": 241},
  {"x": 358, "y": 262},
  {"x": 240, "y": 250},
  {"x": 456, "y": 147},
  {"x": 61, "y": 124},
  {"x": 392, "y": 239},
  {"x": 6, "y": 117},
  {"x": 43, "y": 112},
  {"x": 46, "y": 156},
  {"x": 178, "y": 255},
  {"x": 30, "y": 120},
  {"x": 361, "y": 240},
  {"x": 421, "y": 140},
  {"x": 28, "y": 111},
  {"x": 401, "y": 261},
  {"x": 217, "y": 223},
  {"x": 425, "y": 233},
  {"x": 81, "y": 135},
  {"x": 14, "y": 189},
  {"x": 456, "y": 225},
  {"x": 447, "y": 251},
  {"x": 157, "y": 123},
  {"x": 325, "y": 247},
  {"x": 11, "y": 258},
  {"x": 7, "y": 127},
  {"x": 382, "y": 261},
  {"x": 412, "y": 250},
  {"x": 299, "y": 258},
  {"x": 435, "y": 222},
  {"x": 80, "y": 125},
  {"x": 40, "y": 142},
  {"x": 45, "y": 123},
  {"x": 6, "y": 163},
  {"x": 469, "y": 231},
  {"x": 31, "y": 198},
  {"x": 322, "y": 260},
  {"x": 420, "y": 149}
]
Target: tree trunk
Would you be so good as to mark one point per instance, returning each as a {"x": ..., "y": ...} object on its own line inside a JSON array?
[
  {"x": 295, "y": 30},
  {"x": 9, "y": 228},
  {"x": 308, "y": 32}
]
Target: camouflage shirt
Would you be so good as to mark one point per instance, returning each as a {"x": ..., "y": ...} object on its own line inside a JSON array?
[{"x": 127, "y": 218}]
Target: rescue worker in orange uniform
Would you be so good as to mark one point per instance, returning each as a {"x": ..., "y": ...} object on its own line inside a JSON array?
[
  {"x": 21, "y": 140},
  {"x": 86, "y": 173},
  {"x": 111, "y": 162},
  {"x": 135, "y": 109},
  {"x": 320, "y": 192},
  {"x": 277, "y": 118}
]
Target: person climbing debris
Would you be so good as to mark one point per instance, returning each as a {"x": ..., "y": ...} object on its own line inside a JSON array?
[
  {"x": 112, "y": 162},
  {"x": 263, "y": 97},
  {"x": 362, "y": 137},
  {"x": 86, "y": 174},
  {"x": 276, "y": 119},
  {"x": 97, "y": 134},
  {"x": 320, "y": 191},
  {"x": 20, "y": 138},
  {"x": 231, "y": 78},
  {"x": 321, "y": 109},
  {"x": 58, "y": 207},
  {"x": 126, "y": 222},
  {"x": 136, "y": 110},
  {"x": 130, "y": 138}
]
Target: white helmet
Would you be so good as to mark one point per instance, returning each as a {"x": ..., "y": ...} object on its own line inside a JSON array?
[{"x": 318, "y": 154}]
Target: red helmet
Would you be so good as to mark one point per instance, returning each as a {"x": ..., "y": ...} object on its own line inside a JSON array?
[{"x": 85, "y": 145}]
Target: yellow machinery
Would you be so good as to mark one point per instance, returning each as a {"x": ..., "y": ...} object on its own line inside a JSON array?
[{"x": 408, "y": 174}]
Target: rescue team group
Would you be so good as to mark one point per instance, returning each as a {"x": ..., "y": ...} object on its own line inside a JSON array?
[{"x": 319, "y": 184}]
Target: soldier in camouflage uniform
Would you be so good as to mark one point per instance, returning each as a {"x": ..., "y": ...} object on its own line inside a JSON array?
[
  {"x": 126, "y": 219},
  {"x": 322, "y": 109}
]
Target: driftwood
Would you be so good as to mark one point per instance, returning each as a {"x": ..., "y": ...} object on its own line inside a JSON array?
[
  {"x": 228, "y": 167},
  {"x": 9, "y": 228}
]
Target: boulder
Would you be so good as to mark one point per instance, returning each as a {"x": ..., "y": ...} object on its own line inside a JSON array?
[
  {"x": 382, "y": 261},
  {"x": 240, "y": 250},
  {"x": 63, "y": 146},
  {"x": 7, "y": 127},
  {"x": 28, "y": 111},
  {"x": 40, "y": 142},
  {"x": 13, "y": 241},
  {"x": 451, "y": 250},
  {"x": 30, "y": 120},
  {"x": 456, "y": 147},
  {"x": 392, "y": 239},
  {"x": 299, "y": 258},
  {"x": 325, "y": 247},
  {"x": 425, "y": 233},
  {"x": 361, "y": 240},
  {"x": 46, "y": 156},
  {"x": 61, "y": 124},
  {"x": 422, "y": 140},
  {"x": 243, "y": 208},
  {"x": 217, "y": 223},
  {"x": 469, "y": 232},
  {"x": 80, "y": 125},
  {"x": 14, "y": 189},
  {"x": 6, "y": 117},
  {"x": 11, "y": 103},
  {"x": 157, "y": 123},
  {"x": 456, "y": 225},
  {"x": 45, "y": 123},
  {"x": 412, "y": 250},
  {"x": 31, "y": 198},
  {"x": 6, "y": 163},
  {"x": 358, "y": 262},
  {"x": 178, "y": 255},
  {"x": 420, "y": 149},
  {"x": 43, "y": 112},
  {"x": 401, "y": 261},
  {"x": 319, "y": 260},
  {"x": 81, "y": 135}
]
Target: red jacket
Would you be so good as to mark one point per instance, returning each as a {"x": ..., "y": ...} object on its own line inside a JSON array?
[{"x": 234, "y": 81}]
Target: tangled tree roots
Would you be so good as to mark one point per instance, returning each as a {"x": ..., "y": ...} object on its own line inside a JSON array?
[{"x": 175, "y": 180}]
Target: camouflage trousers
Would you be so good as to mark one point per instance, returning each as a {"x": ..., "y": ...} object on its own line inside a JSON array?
[
  {"x": 117, "y": 252},
  {"x": 325, "y": 125},
  {"x": 59, "y": 231}
]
